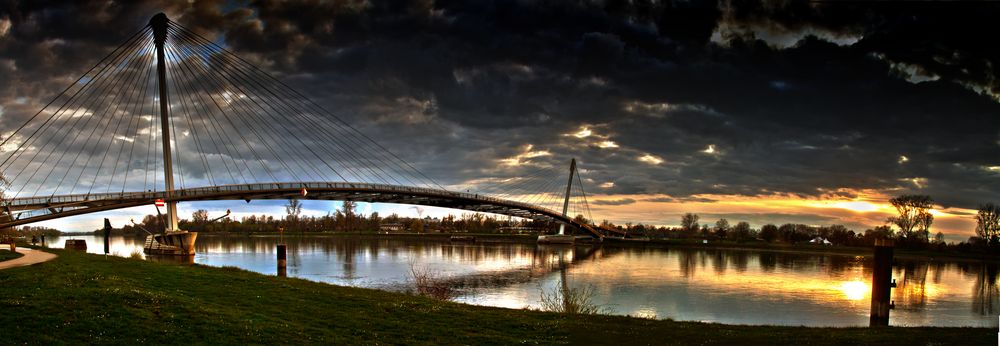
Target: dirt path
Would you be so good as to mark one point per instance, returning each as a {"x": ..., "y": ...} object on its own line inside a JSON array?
[{"x": 30, "y": 257}]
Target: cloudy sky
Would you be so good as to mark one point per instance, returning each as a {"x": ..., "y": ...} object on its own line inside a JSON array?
[{"x": 761, "y": 111}]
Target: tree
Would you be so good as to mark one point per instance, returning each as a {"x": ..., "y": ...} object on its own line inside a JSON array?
[
  {"x": 988, "y": 223},
  {"x": 742, "y": 231},
  {"x": 939, "y": 238},
  {"x": 769, "y": 232},
  {"x": 200, "y": 216},
  {"x": 914, "y": 218},
  {"x": 293, "y": 209},
  {"x": 348, "y": 209},
  {"x": 721, "y": 228},
  {"x": 689, "y": 222}
]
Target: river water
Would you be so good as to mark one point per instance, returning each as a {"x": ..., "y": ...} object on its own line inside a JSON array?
[{"x": 725, "y": 286}]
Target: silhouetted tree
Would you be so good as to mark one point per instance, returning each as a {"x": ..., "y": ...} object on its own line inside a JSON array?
[
  {"x": 741, "y": 231},
  {"x": 721, "y": 228},
  {"x": 914, "y": 219},
  {"x": 689, "y": 224},
  {"x": 769, "y": 232},
  {"x": 988, "y": 223}
]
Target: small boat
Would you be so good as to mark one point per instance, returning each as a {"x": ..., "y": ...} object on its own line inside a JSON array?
[
  {"x": 171, "y": 243},
  {"x": 463, "y": 238},
  {"x": 556, "y": 239}
]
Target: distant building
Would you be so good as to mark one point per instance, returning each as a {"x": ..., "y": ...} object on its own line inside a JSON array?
[
  {"x": 820, "y": 240},
  {"x": 391, "y": 227}
]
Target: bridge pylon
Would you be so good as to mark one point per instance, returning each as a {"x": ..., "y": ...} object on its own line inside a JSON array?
[
  {"x": 569, "y": 187},
  {"x": 159, "y": 25}
]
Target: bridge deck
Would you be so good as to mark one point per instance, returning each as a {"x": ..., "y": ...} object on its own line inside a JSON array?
[{"x": 33, "y": 209}]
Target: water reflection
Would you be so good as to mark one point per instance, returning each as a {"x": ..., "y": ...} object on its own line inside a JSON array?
[
  {"x": 985, "y": 295},
  {"x": 728, "y": 286}
]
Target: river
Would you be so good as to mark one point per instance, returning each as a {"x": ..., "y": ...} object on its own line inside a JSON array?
[{"x": 711, "y": 285}]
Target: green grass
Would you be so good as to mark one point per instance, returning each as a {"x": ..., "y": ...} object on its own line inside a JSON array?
[
  {"x": 80, "y": 298},
  {"x": 6, "y": 254}
]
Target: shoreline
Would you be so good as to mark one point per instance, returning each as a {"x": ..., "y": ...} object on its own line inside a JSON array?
[
  {"x": 97, "y": 299},
  {"x": 926, "y": 255}
]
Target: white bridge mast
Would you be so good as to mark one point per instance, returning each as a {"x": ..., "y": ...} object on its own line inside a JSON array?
[
  {"x": 159, "y": 24},
  {"x": 569, "y": 186}
]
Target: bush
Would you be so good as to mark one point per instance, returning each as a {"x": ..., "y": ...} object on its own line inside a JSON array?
[
  {"x": 572, "y": 301},
  {"x": 430, "y": 284}
]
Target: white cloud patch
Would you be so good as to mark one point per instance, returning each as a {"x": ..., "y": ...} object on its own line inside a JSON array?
[
  {"x": 5, "y": 25},
  {"x": 525, "y": 156},
  {"x": 607, "y": 144},
  {"x": 651, "y": 159}
]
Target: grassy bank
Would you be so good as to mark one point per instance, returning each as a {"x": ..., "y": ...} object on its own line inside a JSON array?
[
  {"x": 6, "y": 254},
  {"x": 80, "y": 298}
]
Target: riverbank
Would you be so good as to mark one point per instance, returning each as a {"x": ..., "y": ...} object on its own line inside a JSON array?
[
  {"x": 80, "y": 298},
  {"x": 6, "y": 254}
]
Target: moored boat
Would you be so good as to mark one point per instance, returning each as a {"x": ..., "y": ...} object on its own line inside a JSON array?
[
  {"x": 171, "y": 243},
  {"x": 556, "y": 239}
]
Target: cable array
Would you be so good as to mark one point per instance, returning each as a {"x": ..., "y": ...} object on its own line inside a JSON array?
[
  {"x": 230, "y": 123},
  {"x": 541, "y": 185}
]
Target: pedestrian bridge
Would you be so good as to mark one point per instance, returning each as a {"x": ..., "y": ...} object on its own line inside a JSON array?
[
  {"x": 170, "y": 115},
  {"x": 34, "y": 209}
]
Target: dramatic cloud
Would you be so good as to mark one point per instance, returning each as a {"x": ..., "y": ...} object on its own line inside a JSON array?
[{"x": 683, "y": 99}]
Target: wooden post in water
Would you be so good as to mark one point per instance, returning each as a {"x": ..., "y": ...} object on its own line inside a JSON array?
[
  {"x": 882, "y": 284},
  {"x": 282, "y": 262},
  {"x": 107, "y": 236}
]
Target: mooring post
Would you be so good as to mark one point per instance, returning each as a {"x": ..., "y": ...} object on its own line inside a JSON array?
[
  {"x": 882, "y": 283},
  {"x": 107, "y": 236},
  {"x": 282, "y": 262}
]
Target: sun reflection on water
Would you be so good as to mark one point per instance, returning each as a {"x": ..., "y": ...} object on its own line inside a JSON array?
[{"x": 855, "y": 290}]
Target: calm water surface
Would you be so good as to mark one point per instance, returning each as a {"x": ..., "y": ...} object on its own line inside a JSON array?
[{"x": 726, "y": 286}]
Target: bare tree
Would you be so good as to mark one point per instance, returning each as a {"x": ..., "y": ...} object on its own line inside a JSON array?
[
  {"x": 741, "y": 231},
  {"x": 988, "y": 223},
  {"x": 914, "y": 218},
  {"x": 348, "y": 209},
  {"x": 200, "y": 216},
  {"x": 721, "y": 228},
  {"x": 689, "y": 222},
  {"x": 293, "y": 208}
]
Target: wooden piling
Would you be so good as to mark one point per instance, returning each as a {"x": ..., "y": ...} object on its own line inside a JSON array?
[
  {"x": 882, "y": 283},
  {"x": 282, "y": 261}
]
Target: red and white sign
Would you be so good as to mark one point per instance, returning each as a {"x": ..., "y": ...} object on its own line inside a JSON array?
[
  {"x": 304, "y": 192},
  {"x": 159, "y": 203}
]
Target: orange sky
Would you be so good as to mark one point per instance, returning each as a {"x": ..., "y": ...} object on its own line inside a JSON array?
[{"x": 868, "y": 210}]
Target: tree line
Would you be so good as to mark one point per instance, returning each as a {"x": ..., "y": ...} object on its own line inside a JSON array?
[
  {"x": 910, "y": 227},
  {"x": 344, "y": 219}
]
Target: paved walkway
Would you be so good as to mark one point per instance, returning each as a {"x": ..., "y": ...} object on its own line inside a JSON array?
[{"x": 30, "y": 257}]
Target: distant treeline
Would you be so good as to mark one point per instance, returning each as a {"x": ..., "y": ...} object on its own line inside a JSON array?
[
  {"x": 346, "y": 219},
  {"x": 912, "y": 229},
  {"x": 28, "y": 231}
]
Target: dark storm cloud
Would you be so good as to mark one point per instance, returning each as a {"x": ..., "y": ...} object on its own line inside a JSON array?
[{"x": 794, "y": 98}]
